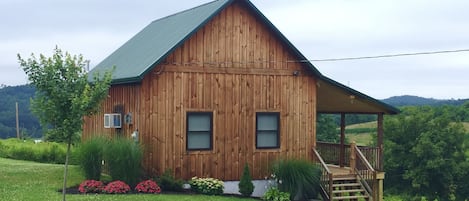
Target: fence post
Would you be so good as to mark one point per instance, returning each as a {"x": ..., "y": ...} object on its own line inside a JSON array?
[{"x": 352, "y": 157}]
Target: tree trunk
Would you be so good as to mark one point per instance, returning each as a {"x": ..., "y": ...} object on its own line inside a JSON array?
[{"x": 64, "y": 189}]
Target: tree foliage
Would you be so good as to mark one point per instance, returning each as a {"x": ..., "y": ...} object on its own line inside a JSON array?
[
  {"x": 425, "y": 153},
  {"x": 327, "y": 129},
  {"x": 63, "y": 95}
]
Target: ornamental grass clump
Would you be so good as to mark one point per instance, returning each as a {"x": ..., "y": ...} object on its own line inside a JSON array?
[
  {"x": 116, "y": 187},
  {"x": 299, "y": 177},
  {"x": 90, "y": 156},
  {"x": 124, "y": 158},
  {"x": 148, "y": 186},
  {"x": 207, "y": 186},
  {"x": 91, "y": 186}
]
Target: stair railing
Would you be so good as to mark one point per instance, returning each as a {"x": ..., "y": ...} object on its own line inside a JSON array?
[
  {"x": 365, "y": 172},
  {"x": 326, "y": 177}
]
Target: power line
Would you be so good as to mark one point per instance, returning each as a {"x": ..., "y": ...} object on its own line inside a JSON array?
[
  {"x": 387, "y": 55},
  {"x": 319, "y": 60}
]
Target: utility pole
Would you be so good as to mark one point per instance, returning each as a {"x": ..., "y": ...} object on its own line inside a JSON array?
[{"x": 17, "y": 122}]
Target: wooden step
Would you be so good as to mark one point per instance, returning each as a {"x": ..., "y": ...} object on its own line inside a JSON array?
[
  {"x": 358, "y": 190},
  {"x": 345, "y": 178},
  {"x": 350, "y": 197},
  {"x": 346, "y": 185}
]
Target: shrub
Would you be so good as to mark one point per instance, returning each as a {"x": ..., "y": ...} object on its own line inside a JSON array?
[
  {"x": 23, "y": 153},
  {"x": 44, "y": 152},
  {"x": 169, "y": 183},
  {"x": 274, "y": 194},
  {"x": 246, "y": 187},
  {"x": 299, "y": 177},
  {"x": 148, "y": 186},
  {"x": 116, "y": 187},
  {"x": 208, "y": 186},
  {"x": 90, "y": 156},
  {"x": 90, "y": 186},
  {"x": 124, "y": 157}
]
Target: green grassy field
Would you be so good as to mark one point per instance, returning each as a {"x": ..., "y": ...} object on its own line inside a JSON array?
[
  {"x": 23, "y": 180},
  {"x": 363, "y": 138}
]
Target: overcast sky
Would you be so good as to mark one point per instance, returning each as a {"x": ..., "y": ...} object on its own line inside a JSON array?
[{"x": 320, "y": 29}]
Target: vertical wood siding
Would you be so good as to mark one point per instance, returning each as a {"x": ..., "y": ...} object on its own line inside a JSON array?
[
  {"x": 233, "y": 67},
  {"x": 126, "y": 96}
]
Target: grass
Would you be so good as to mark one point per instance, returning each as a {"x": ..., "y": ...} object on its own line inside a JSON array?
[
  {"x": 45, "y": 152},
  {"x": 371, "y": 124},
  {"x": 363, "y": 138},
  {"x": 23, "y": 180}
]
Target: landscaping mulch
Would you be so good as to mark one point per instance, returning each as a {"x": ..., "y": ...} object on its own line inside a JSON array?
[{"x": 74, "y": 190}]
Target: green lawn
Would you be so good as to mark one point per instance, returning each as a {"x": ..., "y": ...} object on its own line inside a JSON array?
[{"x": 23, "y": 180}]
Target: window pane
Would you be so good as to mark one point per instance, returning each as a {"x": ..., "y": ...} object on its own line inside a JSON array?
[
  {"x": 267, "y": 122},
  {"x": 267, "y": 139},
  {"x": 198, "y": 140},
  {"x": 107, "y": 120},
  {"x": 199, "y": 122}
]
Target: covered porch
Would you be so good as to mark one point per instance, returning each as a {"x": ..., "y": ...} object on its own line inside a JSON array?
[{"x": 350, "y": 172}]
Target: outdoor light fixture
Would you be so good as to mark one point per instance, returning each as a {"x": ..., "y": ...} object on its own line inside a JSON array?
[
  {"x": 135, "y": 136},
  {"x": 352, "y": 98}
]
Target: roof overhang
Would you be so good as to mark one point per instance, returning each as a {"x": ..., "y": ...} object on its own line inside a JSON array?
[{"x": 334, "y": 97}]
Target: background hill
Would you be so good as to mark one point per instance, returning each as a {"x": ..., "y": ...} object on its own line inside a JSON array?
[
  {"x": 29, "y": 124},
  {"x": 408, "y": 100}
]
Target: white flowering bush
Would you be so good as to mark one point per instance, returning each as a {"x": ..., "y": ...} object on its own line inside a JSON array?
[{"x": 208, "y": 186}]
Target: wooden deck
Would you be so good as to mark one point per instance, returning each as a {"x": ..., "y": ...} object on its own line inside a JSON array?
[{"x": 336, "y": 170}]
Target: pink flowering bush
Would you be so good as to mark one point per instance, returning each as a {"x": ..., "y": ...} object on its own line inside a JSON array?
[
  {"x": 116, "y": 187},
  {"x": 148, "y": 186},
  {"x": 90, "y": 186}
]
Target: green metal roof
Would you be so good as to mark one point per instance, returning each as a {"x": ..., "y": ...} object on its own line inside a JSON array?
[
  {"x": 138, "y": 55},
  {"x": 157, "y": 40}
]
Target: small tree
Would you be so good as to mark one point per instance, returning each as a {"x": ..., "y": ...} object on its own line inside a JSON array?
[
  {"x": 63, "y": 94},
  {"x": 246, "y": 187}
]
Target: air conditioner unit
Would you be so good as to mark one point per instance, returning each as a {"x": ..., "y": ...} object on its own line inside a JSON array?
[{"x": 113, "y": 120}]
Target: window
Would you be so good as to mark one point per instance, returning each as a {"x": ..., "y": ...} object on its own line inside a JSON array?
[
  {"x": 267, "y": 130},
  {"x": 199, "y": 131},
  {"x": 112, "y": 120}
]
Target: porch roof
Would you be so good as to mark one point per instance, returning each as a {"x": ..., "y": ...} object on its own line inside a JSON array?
[{"x": 334, "y": 97}]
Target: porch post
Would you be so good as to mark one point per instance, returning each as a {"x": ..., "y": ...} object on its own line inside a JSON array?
[
  {"x": 380, "y": 142},
  {"x": 342, "y": 140}
]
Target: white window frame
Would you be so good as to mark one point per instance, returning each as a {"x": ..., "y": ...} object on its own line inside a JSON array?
[{"x": 113, "y": 120}]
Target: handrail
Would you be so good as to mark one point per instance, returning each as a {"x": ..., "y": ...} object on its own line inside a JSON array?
[
  {"x": 330, "y": 152},
  {"x": 326, "y": 177},
  {"x": 363, "y": 159},
  {"x": 365, "y": 172}
]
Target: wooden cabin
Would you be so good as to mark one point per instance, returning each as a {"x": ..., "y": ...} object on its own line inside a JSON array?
[{"x": 214, "y": 87}]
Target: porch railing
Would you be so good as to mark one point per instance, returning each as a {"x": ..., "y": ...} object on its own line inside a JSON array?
[
  {"x": 364, "y": 170},
  {"x": 326, "y": 177},
  {"x": 330, "y": 153}
]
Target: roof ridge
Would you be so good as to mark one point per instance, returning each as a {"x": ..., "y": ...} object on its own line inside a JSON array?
[{"x": 187, "y": 10}]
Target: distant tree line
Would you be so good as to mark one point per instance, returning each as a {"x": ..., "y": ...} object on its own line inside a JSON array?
[{"x": 29, "y": 124}]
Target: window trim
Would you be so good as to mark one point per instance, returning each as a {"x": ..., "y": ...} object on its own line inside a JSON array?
[
  {"x": 210, "y": 114},
  {"x": 277, "y": 115},
  {"x": 114, "y": 120}
]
